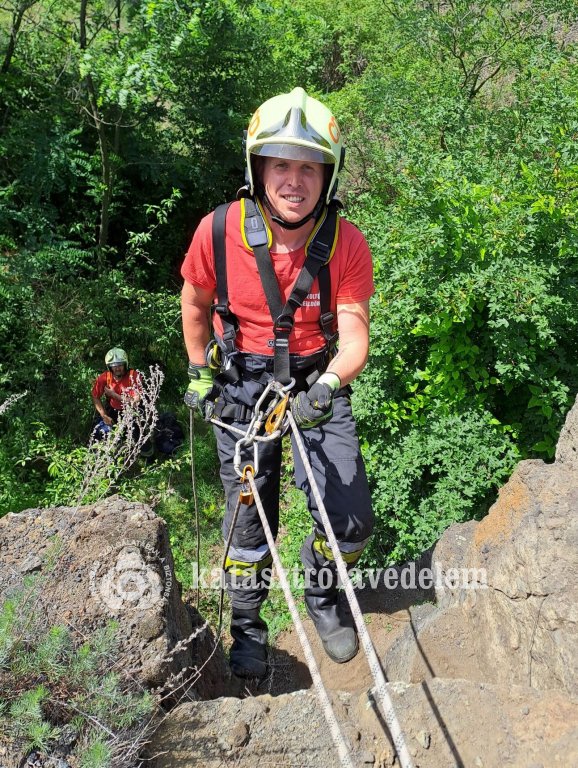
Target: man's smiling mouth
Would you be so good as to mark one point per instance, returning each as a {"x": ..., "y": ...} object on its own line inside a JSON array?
[{"x": 293, "y": 198}]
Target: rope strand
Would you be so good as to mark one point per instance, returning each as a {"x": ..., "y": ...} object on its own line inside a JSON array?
[
  {"x": 334, "y": 728},
  {"x": 374, "y": 664}
]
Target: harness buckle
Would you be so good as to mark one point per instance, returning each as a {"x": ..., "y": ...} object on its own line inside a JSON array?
[
  {"x": 221, "y": 309},
  {"x": 228, "y": 336},
  {"x": 319, "y": 251},
  {"x": 257, "y": 237},
  {"x": 326, "y": 319},
  {"x": 284, "y": 324}
]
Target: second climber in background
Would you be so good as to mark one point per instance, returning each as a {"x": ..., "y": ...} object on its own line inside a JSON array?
[
  {"x": 121, "y": 386},
  {"x": 290, "y": 277}
]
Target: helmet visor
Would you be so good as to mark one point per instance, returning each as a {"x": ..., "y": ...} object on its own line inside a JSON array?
[{"x": 293, "y": 152}]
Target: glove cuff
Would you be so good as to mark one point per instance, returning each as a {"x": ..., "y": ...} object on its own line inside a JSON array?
[
  {"x": 331, "y": 379},
  {"x": 197, "y": 372}
]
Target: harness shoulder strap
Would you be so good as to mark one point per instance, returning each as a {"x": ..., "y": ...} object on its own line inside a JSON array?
[
  {"x": 328, "y": 235},
  {"x": 326, "y": 316},
  {"x": 228, "y": 319},
  {"x": 256, "y": 236},
  {"x": 318, "y": 252}
]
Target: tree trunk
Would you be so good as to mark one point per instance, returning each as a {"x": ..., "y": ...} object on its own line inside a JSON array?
[
  {"x": 17, "y": 21},
  {"x": 104, "y": 153}
]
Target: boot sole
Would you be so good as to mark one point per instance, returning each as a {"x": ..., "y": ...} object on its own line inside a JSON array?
[{"x": 250, "y": 674}]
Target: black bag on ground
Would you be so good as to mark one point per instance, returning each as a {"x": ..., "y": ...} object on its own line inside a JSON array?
[{"x": 169, "y": 434}]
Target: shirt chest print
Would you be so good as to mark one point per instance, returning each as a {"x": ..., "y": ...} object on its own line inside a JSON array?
[{"x": 312, "y": 300}]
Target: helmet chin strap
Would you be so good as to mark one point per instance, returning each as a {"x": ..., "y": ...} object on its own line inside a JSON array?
[{"x": 293, "y": 225}]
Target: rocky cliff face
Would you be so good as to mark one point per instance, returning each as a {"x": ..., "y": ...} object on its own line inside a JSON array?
[
  {"x": 523, "y": 628},
  {"x": 483, "y": 677},
  {"x": 479, "y": 677},
  {"x": 108, "y": 561},
  {"x": 447, "y": 724}
]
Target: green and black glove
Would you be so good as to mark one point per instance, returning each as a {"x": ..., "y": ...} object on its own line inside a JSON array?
[
  {"x": 200, "y": 384},
  {"x": 315, "y": 406}
]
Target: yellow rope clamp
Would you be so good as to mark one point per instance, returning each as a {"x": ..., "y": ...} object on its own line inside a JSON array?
[
  {"x": 246, "y": 494},
  {"x": 276, "y": 416}
]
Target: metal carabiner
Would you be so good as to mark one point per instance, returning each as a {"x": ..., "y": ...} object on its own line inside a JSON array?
[{"x": 237, "y": 458}]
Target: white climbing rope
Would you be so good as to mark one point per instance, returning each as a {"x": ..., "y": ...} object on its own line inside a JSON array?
[
  {"x": 381, "y": 691},
  {"x": 332, "y": 722}
]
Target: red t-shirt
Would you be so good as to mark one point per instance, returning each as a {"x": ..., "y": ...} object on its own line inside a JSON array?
[
  {"x": 350, "y": 268},
  {"x": 130, "y": 383}
]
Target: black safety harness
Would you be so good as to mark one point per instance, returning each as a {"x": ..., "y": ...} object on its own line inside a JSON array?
[{"x": 319, "y": 250}]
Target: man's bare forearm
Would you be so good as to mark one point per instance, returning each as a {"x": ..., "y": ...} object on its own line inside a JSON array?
[
  {"x": 196, "y": 326},
  {"x": 348, "y": 362},
  {"x": 98, "y": 405},
  {"x": 353, "y": 325}
]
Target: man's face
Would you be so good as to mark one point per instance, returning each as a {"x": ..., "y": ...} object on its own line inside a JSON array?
[
  {"x": 118, "y": 370},
  {"x": 292, "y": 186}
]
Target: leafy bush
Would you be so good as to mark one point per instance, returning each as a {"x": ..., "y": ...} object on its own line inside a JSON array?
[
  {"x": 445, "y": 472},
  {"x": 468, "y": 201},
  {"x": 460, "y": 124}
]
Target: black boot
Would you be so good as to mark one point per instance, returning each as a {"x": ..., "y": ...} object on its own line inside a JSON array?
[
  {"x": 248, "y": 656},
  {"x": 334, "y": 623}
]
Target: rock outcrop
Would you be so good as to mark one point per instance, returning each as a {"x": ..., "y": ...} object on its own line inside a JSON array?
[
  {"x": 480, "y": 677},
  {"x": 447, "y": 724},
  {"x": 111, "y": 560},
  {"x": 523, "y": 628}
]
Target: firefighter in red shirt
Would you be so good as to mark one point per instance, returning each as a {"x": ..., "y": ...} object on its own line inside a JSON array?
[
  {"x": 116, "y": 382},
  {"x": 288, "y": 275}
]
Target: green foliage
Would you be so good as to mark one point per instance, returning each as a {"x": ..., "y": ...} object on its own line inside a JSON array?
[
  {"x": 49, "y": 681},
  {"x": 462, "y": 169},
  {"x": 168, "y": 485},
  {"x": 465, "y": 182},
  {"x": 98, "y": 754},
  {"x": 445, "y": 472}
]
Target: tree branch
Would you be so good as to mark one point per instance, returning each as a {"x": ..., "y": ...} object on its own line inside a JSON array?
[{"x": 474, "y": 91}]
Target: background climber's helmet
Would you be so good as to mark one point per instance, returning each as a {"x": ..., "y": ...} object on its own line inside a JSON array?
[
  {"x": 116, "y": 356},
  {"x": 295, "y": 126}
]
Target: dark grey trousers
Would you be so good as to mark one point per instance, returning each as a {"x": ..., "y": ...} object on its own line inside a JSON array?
[{"x": 335, "y": 456}]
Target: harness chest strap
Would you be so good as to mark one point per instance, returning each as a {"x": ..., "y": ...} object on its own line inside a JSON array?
[{"x": 319, "y": 250}]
